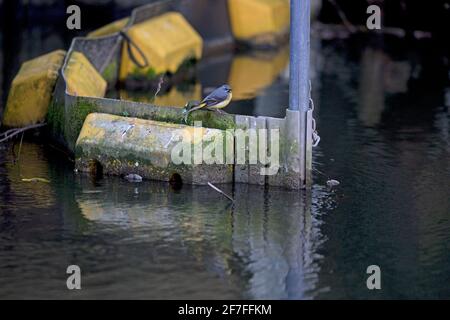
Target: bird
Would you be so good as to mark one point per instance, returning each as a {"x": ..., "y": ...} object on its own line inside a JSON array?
[{"x": 216, "y": 100}]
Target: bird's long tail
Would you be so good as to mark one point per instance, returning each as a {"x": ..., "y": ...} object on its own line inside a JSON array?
[{"x": 187, "y": 112}]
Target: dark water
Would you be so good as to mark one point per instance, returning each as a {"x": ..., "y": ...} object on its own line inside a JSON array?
[{"x": 382, "y": 113}]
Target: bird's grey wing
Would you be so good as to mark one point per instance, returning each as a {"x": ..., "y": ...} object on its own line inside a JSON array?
[{"x": 215, "y": 97}]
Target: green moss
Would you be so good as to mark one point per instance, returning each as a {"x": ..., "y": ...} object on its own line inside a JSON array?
[
  {"x": 167, "y": 117},
  {"x": 187, "y": 64},
  {"x": 110, "y": 72},
  {"x": 75, "y": 119},
  {"x": 211, "y": 119},
  {"x": 55, "y": 118},
  {"x": 117, "y": 161},
  {"x": 147, "y": 74},
  {"x": 66, "y": 127}
]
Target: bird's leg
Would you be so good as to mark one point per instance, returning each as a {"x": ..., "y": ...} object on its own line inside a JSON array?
[{"x": 186, "y": 116}]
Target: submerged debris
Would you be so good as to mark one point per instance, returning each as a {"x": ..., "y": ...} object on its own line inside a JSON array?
[
  {"x": 220, "y": 191},
  {"x": 133, "y": 178},
  {"x": 13, "y": 132},
  {"x": 36, "y": 180},
  {"x": 333, "y": 183}
]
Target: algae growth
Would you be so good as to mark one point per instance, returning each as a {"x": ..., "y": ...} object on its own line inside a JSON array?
[
  {"x": 75, "y": 120},
  {"x": 110, "y": 72},
  {"x": 66, "y": 127}
]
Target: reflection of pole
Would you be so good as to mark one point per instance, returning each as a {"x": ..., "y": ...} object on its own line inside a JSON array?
[{"x": 299, "y": 87}]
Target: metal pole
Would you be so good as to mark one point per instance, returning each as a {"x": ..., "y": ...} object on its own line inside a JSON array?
[
  {"x": 299, "y": 86},
  {"x": 299, "y": 61}
]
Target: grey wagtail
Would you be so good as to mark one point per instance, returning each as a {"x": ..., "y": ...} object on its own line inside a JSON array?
[{"x": 216, "y": 100}]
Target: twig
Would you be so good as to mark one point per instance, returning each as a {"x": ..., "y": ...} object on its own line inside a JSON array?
[
  {"x": 350, "y": 27},
  {"x": 20, "y": 150},
  {"x": 220, "y": 191},
  {"x": 327, "y": 29},
  {"x": 160, "y": 83},
  {"x": 20, "y": 147},
  {"x": 321, "y": 173},
  {"x": 14, "y": 132},
  {"x": 62, "y": 151}
]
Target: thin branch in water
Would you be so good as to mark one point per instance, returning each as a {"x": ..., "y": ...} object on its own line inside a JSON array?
[
  {"x": 20, "y": 150},
  {"x": 332, "y": 31},
  {"x": 14, "y": 132},
  {"x": 220, "y": 191},
  {"x": 321, "y": 173},
  {"x": 62, "y": 151},
  {"x": 350, "y": 27}
]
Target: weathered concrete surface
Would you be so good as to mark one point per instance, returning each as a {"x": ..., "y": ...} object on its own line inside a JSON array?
[
  {"x": 167, "y": 41},
  {"x": 288, "y": 153},
  {"x": 289, "y": 173},
  {"x": 31, "y": 90},
  {"x": 66, "y": 116},
  {"x": 122, "y": 146},
  {"x": 209, "y": 119}
]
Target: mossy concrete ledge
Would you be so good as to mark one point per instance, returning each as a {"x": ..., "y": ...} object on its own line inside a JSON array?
[{"x": 118, "y": 145}]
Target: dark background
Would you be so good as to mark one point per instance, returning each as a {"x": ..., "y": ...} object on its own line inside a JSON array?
[{"x": 31, "y": 28}]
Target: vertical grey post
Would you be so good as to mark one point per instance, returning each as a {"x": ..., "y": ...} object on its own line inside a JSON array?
[{"x": 299, "y": 87}]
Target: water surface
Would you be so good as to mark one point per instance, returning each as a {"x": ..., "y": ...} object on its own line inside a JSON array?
[{"x": 382, "y": 113}]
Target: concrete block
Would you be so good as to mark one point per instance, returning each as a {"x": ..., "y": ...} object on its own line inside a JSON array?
[
  {"x": 82, "y": 79},
  {"x": 122, "y": 146}
]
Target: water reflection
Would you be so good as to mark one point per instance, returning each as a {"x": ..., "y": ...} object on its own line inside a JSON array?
[
  {"x": 250, "y": 74},
  {"x": 23, "y": 163},
  {"x": 380, "y": 76},
  {"x": 177, "y": 96},
  {"x": 384, "y": 110},
  {"x": 382, "y": 113},
  {"x": 264, "y": 245},
  {"x": 191, "y": 243}
]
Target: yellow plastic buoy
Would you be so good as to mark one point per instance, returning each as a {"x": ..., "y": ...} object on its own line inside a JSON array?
[
  {"x": 252, "y": 73},
  {"x": 255, "y": 18},
  {"x": 166, "y": 41},
  {"x": 109, "y": 29},
  {"x": 32, "y": 89},
  {"x": 82, "y": 79}
]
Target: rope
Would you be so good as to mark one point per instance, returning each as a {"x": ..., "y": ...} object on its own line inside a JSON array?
[
  {"x": 130, "y": 43},
  {"x": 315, "y": 134}
]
